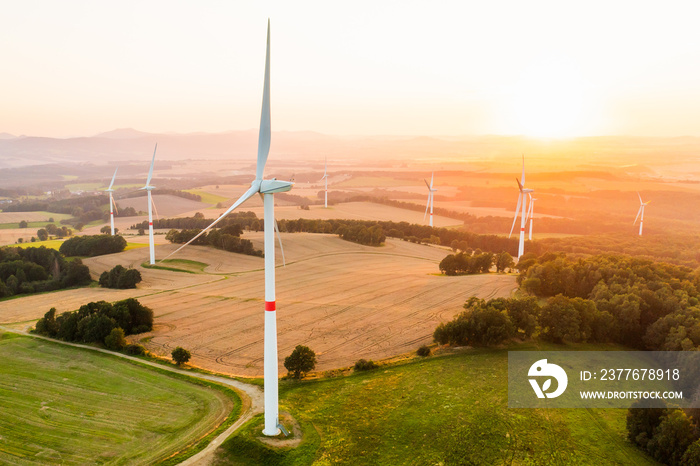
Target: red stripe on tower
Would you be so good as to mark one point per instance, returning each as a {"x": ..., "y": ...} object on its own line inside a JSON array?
[
  {"x": 522, "y": 229},
  {"x": 270, "y": 306},
  {"x": 150, "y": 223}
]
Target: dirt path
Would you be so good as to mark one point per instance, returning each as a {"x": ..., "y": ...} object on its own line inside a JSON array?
[{"x": 253, "y": 400}]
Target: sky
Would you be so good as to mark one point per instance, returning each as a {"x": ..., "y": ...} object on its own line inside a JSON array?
[{"x": 535, "y": 68}]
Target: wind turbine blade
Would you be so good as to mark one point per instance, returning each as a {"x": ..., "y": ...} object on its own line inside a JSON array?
[
  {"x": 153, "y": 203},
  {"x": 150, "y": 172},
  {"x": 426, "y": 183},
  {"x": 529, "y": 209},
  {"x": 432, "y": 175},
  {"x": 279, "y": 238},
  {"x": 241, "y": 200},
  {"x": 640, "y": 198},
  {"x": 427, "y": 205},
  {"x": 325, "y": 167},
  {"x": 517, "y": 209},
  {"x": 265, "y": 127},
  {"x": 638, "y": 212},
  {"x": 520, "y": 185},
  {"x": 523, "y": 175},
  {"x": 114, "y": 205},
  {"x": 113, "y": 177}
]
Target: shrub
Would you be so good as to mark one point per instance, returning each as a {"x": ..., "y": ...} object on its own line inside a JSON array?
[
  {"x": 115, "y": 340},
  {"x": 365, "y": 365},
  {"x": 423, "y": 351},
  {"x": 135, "y": 350},
  {"x": 301, "y": 361},
  {"x": 120, "y": 277},
  {"x": 180, "y": 355},
  {"x": 95, "y": 245}
]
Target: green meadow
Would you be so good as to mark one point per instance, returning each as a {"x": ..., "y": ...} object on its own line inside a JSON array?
[
  {"x": 440, "y": 410},
  {"x": 64, "y": 405}
]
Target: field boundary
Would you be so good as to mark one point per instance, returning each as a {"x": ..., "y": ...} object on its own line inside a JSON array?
[{"x": 252, "y": 399}]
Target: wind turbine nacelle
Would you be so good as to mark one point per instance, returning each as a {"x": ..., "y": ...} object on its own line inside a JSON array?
[{"x": 275, "y": 186}]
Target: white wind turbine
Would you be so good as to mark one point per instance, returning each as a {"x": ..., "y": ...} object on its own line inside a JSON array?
[
  {"x": 640, "y": 213},
  {"x": 531, "y": 213},
  {"x": 112, "y": 204},
  {"x": 521, "y": 200},
  {"x": 148, "y": 189},
  {"x": 431, "y": 190},
  {"x": 325, "y": 177},
  {"x": 266, "y": 188}
]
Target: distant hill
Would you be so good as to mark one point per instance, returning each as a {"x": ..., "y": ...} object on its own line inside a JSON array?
[
  {"x": 122, "y": 133},
  {"x": 7, "y": 136}
]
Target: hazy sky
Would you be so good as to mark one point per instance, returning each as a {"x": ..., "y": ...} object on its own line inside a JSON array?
[{"x": 559, "y": 68}]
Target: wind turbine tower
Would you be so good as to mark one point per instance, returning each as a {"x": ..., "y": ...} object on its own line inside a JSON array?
[
  {"x": 521, "y": 200},
  {"x": 325, "y": 177},
  {"x": 112, "y": 204},
  {"x": 431, "y": 190},
  {"x": 148, "y": 189},
  {"x": 640, "y": 213},
  {"x": 267, "y": 189}
]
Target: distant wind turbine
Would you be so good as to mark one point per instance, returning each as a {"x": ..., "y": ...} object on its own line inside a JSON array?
[
  {"x": 430, "y": 199},
  {"x": 267, "y": 189},
  {"x": 521, "y": 200},
  {"x": 148, "y": 189},
  {"x": 325, "y": 177},
  {"x": 640, "y": 213},
  {"x": 112, "y": 204}
]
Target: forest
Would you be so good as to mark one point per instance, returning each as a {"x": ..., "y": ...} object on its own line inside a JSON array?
[{"x": 35, "y": 270}]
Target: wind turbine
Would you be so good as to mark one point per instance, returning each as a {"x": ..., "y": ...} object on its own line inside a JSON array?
[
  {"x": 112, "y": 204},
  {"x": 521, "y": 200},
  {"x": 148, "y": 189},
  {"x": 531, "y": 213},
  {"x": 325, "y": 176},
  {"x": 430, "y": 199},
  {"x": 267, "y": 189},
  {"x": 640, "y": 213}
]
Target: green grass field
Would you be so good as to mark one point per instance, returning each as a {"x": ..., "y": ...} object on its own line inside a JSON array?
[
  {"x": 64, "y": 405},
  {"x": 177, "y": 265},
  {"x": 208, "y": 198},
  {"x": 51, "y": 244},
  {"x": 439, "y": 410},
  {"x": 36, "y": 225}
]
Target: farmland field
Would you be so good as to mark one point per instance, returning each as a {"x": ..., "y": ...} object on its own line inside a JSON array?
[
  {"x": 449, "y": 409},
  {"x": 167, "y": 205},
  {"x": 65, "y": 405},
  {"x": 344, "y": 300}
]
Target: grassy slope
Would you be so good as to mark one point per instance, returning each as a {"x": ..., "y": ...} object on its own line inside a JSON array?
[
  {"x": 71, "y": 406},
  {"x": 440, "y": 410}
]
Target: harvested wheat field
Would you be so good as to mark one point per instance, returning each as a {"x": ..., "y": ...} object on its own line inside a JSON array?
[
  {"x": 344, "y": 300},
  {"x": 349, "y": 211},
  {"x": 167, "y": 205}
]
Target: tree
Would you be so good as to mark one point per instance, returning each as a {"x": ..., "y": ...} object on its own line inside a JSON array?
[
  {"x": 691, "y": 457},
  {"x": 42, "y": 234},
  {"x": 672, "y": 438},
  {"x": 23, "y": 224},
  {"x": 115, "y": 340},
  {"x": 301, "y": 361},
  {"x": 504, "y": 261},
  {"x": 180, "y": 355},
  {"x": 642, "y": 422},
  {"x": 107, "y": 229},
  {"x": 560, "y": 321}
]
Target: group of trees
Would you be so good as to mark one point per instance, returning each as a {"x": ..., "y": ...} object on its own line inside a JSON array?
[
  {"x": 94, "y": 322},
  {"x": 95, "y": 245},
  {"x": 34, "y": 270},
  {"x": 226, "y": 238},
  {"x": 83, "y": 209},
  {"x": 120, "y": 277},
  {"x": 370, "y": 236},
  {"x": 172, "y": 192},
  {"x": 669, "y": 435},
  {"x": 648, "y": 305},
  {"x": 561, "y": 319},
  {"x": 52, "y": 230},
  {"x": 464, "y": 263}
]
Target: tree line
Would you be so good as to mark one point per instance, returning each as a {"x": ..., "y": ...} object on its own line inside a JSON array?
[
  {"x": 92, "y": 245},
  {"x": 472, "y": 262},
  {"x": 172, "y": 192},
  {"x": 247, "y": 220},
  {"x": 35, "y": 270},
  {"x": 226, "y": 238}
]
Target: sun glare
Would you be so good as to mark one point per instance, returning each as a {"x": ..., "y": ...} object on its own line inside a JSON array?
[{"x": 549, "y": 100}]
